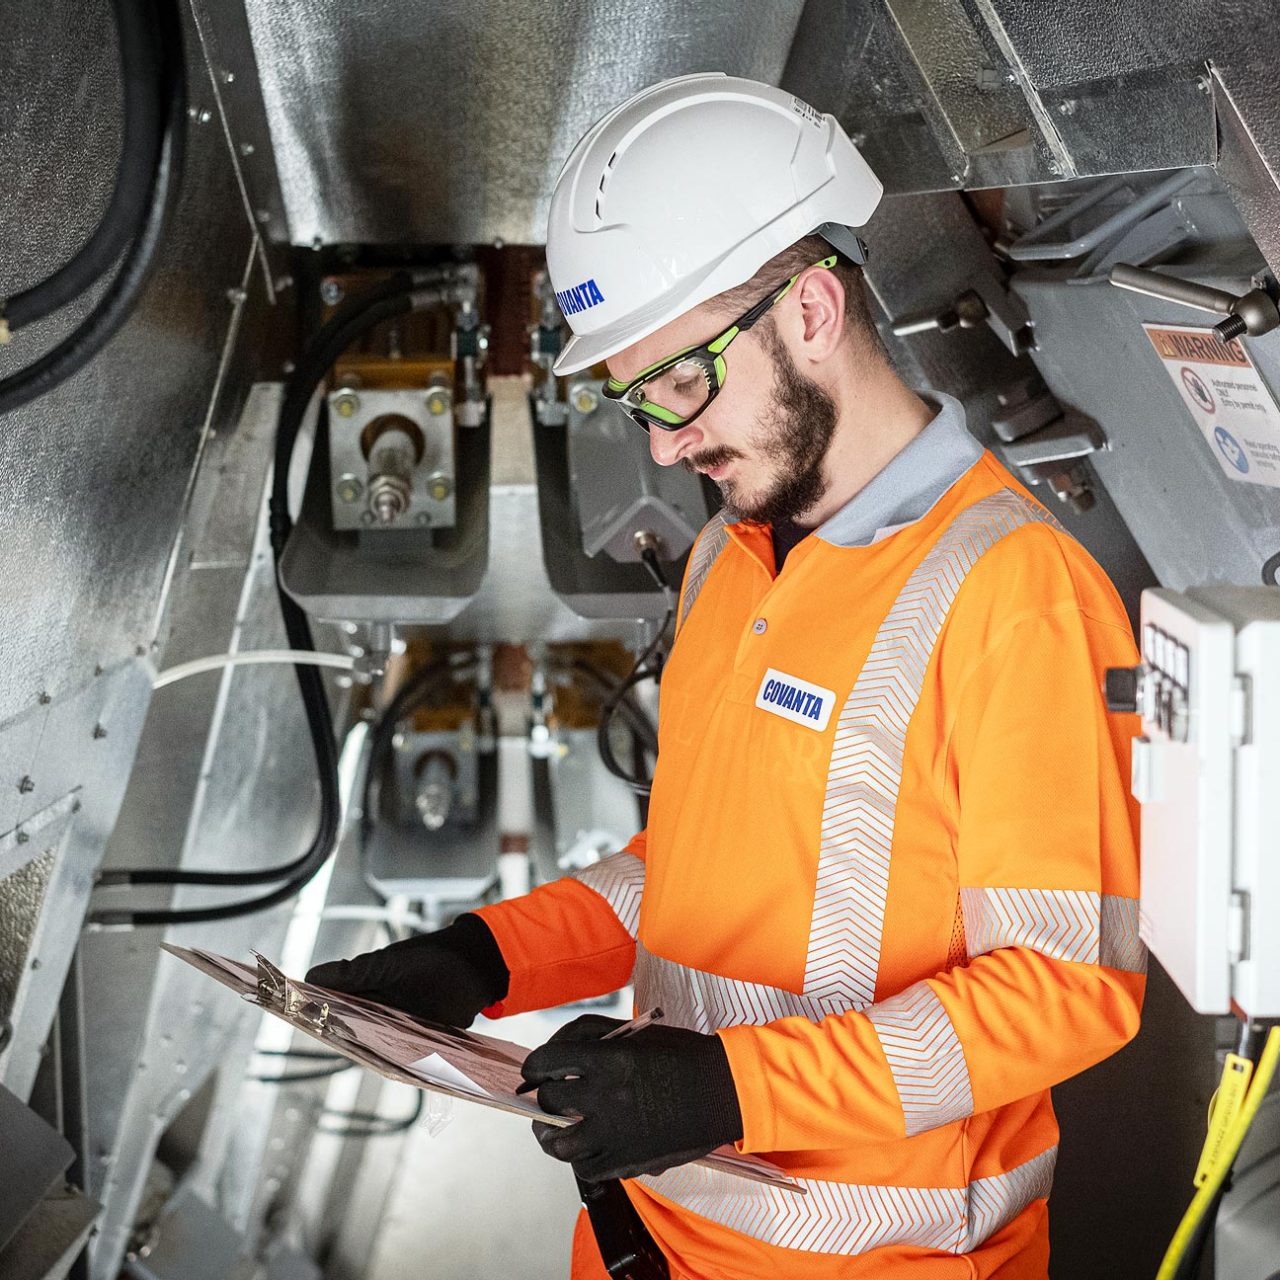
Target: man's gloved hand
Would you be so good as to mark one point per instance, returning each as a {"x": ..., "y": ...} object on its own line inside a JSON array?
[
  {"x": 448, "y": 976},
  {"x": 649, "y": 1100}
]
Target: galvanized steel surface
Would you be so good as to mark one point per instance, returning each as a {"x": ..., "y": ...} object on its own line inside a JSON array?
[
  {"x": 1193, "y": 523},
  {"x": 92, "y": 475},
  {"x": 225, "y": 779},
  {"x": 432, "y": 122}
]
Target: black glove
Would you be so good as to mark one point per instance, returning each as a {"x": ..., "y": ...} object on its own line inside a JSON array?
[
  {"x": 649, "y": 1100},
  {"x": 447, "y": 976}
]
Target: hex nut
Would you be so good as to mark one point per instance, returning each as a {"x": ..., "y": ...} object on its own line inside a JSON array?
[{"x": 349, "y": 488}]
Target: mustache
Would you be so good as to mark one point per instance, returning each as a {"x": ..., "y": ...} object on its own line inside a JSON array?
[{"x": 709, "y": 459}]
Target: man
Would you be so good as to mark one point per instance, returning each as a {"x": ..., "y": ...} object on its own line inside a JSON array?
[{"x": 888, "y": 891}]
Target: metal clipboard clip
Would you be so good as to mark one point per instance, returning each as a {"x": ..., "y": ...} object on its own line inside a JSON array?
[{"x": 280, "y": 996}]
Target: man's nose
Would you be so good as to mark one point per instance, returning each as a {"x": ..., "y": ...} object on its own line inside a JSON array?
[{"x": 667, "y": 447}]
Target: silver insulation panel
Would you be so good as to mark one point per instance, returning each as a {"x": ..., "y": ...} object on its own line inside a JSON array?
[{"x": 432, "y": 121}]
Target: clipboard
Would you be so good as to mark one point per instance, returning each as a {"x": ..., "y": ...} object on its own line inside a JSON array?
[{"x": 427, "y": 1055}]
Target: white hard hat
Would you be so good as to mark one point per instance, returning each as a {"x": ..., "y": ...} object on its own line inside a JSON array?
[{"x": 686, "y": 190}]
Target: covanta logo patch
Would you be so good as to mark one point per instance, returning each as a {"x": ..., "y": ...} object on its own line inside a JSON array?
[{"x": 795, "y": 700}]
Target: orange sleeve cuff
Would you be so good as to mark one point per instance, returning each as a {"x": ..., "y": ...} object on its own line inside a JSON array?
[{"x": 561, "y": 942}]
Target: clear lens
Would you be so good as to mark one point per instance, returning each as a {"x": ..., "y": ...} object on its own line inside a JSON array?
[{"x": 681, "y": 389}]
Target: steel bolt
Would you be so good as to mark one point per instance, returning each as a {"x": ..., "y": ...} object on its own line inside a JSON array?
[
  {"x": 331, "y": 292},
  {"x": 349, "y": 489},
  {"x": 584, "y": 399},
  {"x": 439, "y": 486},
  {"x": 228, "y": 77},
  {"x": 346, "y": 403},
  {"x": 438, "y": 401},
  {"x": 246, "y": 149},
  {"x": 389, "y": 497}
]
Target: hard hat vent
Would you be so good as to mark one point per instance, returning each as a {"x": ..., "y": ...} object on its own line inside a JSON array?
[{"x": 604, "y": 177}]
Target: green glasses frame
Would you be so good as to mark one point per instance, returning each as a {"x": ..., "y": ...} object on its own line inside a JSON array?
[{"x": 709, "y": 356}]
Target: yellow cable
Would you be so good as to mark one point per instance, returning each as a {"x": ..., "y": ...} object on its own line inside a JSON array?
[{"x": 1227, "y": 1152}]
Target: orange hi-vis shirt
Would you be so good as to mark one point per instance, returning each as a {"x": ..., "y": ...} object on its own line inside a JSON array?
[{"x": 890, "y": 861}]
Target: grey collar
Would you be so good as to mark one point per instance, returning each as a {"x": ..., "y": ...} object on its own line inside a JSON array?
[{"x": 911, "y": 483}]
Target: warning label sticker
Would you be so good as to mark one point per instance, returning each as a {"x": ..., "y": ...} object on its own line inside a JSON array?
[{"x": 1227, "y": 397}]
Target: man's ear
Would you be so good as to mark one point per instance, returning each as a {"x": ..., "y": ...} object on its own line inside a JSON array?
[{"x": 821, "y": 316}]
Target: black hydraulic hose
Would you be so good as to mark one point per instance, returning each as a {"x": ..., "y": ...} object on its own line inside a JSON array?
[
  {"x": 369, "y": 1124},
  {"x": 79, "y": 347},
  {"x": 142, "y": 109},
  {"x": 394, "y": 297},
  {"x": 639, "y": 673},
  {"x": 302, "y": 1077},
  {"x": 416, "y": 690},
  {"x": 638, "y": 720},
  {"x": 320, "y": 724}
]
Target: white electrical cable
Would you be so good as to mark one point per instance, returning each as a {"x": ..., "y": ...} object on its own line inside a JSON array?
[
  {"x": 215, "y": 662},
  {"x": 380, "y": 915}
]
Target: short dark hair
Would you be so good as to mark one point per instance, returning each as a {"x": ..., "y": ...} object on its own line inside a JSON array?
[{"x": 790, "y": 262}]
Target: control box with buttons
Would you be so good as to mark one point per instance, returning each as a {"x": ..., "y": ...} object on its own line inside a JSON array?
[{"x": 1206, "y": 769}]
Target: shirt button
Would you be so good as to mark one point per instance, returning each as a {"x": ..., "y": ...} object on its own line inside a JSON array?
[{"x": 759, "y": 626}]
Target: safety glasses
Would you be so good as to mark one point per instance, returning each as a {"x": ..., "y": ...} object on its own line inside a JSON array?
[{"x": 673, "y": 392}]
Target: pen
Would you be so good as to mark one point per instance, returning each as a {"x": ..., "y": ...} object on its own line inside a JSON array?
[{"x": 636, "y": 1024}]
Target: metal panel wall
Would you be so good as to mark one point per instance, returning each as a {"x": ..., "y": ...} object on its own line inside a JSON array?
[
  {"x": 435, "y": 122},
  {"x": 95, "y": 483}
]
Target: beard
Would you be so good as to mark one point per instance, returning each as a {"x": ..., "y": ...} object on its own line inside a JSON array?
[{"x": 793, "y": 435}]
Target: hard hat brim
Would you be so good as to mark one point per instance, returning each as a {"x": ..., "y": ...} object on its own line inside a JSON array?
[{"x": 582, "y": 352}]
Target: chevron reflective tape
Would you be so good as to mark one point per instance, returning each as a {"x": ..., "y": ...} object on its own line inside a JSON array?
[
  {"x": 853, "y": 1218},
  {"x": 925, "y": 1058},
  {"x": 865, "y": 772},
  {"x": 711, "y": 542},
  {"x": 1065, "y": 924},
  {"x": 1121, "y": 946},
  {"x": 619, "y": 880},
  {"x": 704, "y": 1001}
]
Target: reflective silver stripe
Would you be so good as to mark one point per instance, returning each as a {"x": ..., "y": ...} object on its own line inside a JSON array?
[
  {"x": 704, "y": 1001},
  {"x": 1066, "y": 924},
  {"x": 994, "y": 1202},
  {"x": 925, "y": 1058},
  {"x": 1121, "y": 947},
  {"x": 865, "y": 772},
  {"x": 619, "y": 880},
  {"x": 711, "y": 542},
  {"x": 1062, "y": 923},
  {"x": 851, "y": 1218}
]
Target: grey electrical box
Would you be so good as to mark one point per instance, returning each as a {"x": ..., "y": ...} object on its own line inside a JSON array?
[{"x": 618, "y": 489}]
